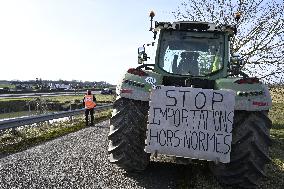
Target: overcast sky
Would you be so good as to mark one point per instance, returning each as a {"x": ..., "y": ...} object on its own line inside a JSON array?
[{"x": 89, "y": 40}]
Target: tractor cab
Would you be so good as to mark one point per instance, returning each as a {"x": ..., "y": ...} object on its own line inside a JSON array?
[
  {"x": 190, "y": 49},
  {"x": 190, "y": 53}
]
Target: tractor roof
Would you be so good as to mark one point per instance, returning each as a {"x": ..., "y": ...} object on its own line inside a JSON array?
[{"x": 193, "y": 26}]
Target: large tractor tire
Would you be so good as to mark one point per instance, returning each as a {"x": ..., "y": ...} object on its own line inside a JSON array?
[
  {"x": 128, "y": 133},
  {"x": 249, "y": 154}
]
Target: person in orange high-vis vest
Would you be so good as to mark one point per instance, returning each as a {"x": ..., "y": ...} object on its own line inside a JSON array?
[{"x": 89, "y": 102}]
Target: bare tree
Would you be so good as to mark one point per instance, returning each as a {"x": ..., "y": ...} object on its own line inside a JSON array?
[{"x": 260, "y": 36}]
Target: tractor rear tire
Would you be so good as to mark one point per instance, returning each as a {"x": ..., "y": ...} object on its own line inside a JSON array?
[
  {"x": 249, "y": 153},
  {"x": 127, "y": 134}
]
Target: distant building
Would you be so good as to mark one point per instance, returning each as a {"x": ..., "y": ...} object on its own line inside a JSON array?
[{"x": 54, "y": 86}]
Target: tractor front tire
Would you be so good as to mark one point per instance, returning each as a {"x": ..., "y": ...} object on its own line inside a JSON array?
[
  {"x": 127, "y": 134},
  {"x": 249, "y": 153}
]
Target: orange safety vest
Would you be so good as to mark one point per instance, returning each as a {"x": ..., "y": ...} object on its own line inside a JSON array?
[{"x": 89, "y": 102}]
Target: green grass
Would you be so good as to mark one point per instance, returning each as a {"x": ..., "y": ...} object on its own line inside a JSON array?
[
  {"x": 7, "y": 85},
  {"x": 277, "y": 95},
  {"x": 17, "y": 114},
  {"x": 99, "y": 97},
  {"x": 275, "y": 170},
  {"x": 55, "y": 103},
  {"x": 16, "y": 99}
]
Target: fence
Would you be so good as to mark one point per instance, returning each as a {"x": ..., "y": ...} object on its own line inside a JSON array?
[{"x": 13, "y": 123}]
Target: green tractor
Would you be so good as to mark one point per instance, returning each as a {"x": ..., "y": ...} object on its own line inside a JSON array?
[{"x": 193, "y": 103}]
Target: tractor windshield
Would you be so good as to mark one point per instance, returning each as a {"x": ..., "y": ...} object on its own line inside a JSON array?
[{"x": 191, "y": 53}]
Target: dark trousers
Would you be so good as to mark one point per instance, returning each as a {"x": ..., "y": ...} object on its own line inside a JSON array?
[{"x": 91, "y": 112}]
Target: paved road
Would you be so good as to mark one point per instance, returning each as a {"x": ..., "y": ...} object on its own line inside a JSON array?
[{"x": 79, "y": 160}]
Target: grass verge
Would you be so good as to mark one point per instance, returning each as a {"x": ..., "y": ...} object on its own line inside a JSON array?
[
  {"x": 12, "y": 141},
  {"x": 275, "y": 170},
  {"x": 17, "y": 114}
]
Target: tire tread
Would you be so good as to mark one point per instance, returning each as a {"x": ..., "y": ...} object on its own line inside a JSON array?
[
  {"x": 250, "y": 151},
  {"x": 127, "y": 135}
]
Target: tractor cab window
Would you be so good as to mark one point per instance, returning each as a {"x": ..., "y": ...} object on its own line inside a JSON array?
[{"x": 197, "y": 54}]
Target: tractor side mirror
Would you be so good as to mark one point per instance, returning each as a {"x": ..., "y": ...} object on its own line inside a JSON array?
[
  {"x": 141, "y": 50},
  {"x": 142, "y": 55},
  {"x": 237, "y": 60}
]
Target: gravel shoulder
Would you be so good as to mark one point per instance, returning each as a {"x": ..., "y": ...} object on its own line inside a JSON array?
[{"x": 79, "y": 160}]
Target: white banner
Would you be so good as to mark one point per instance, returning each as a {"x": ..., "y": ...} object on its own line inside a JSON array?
[{"x": 191, "y": 122}]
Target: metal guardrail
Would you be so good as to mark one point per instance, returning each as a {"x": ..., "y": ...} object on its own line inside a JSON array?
[{"x": 13, "y": 123}]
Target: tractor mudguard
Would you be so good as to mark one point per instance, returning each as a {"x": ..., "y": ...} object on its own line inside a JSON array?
[
  {"x": 138, "y": 85},
  {"x": 249, "y": 97}
]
